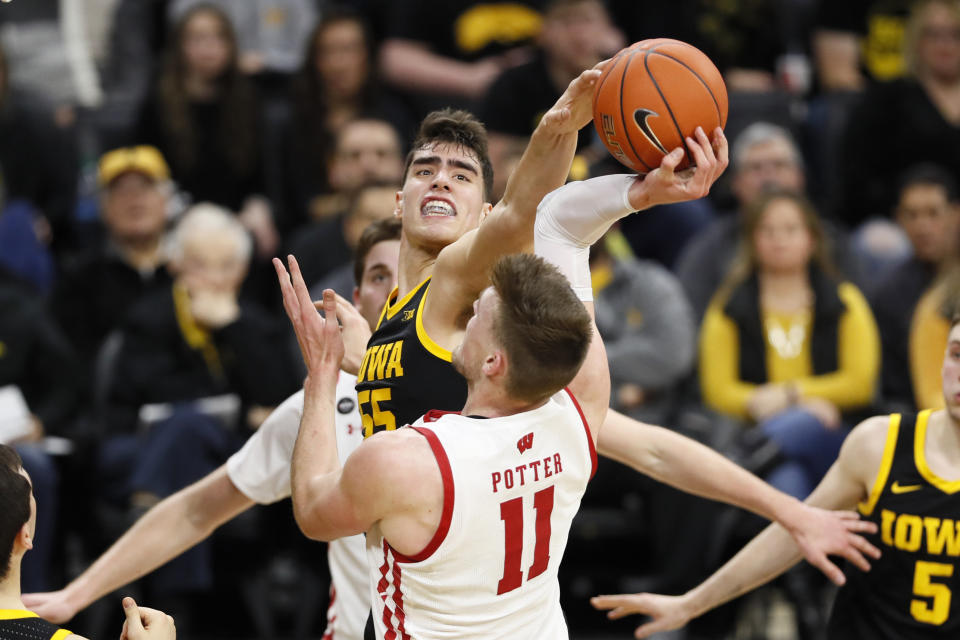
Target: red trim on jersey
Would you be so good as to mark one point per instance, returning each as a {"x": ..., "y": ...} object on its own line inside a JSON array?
[
  {"x": 391, "y": 633},
  {"x": 331, "y": 614},
  {"x": 586, "y": 427},
  {"x": 435, "y": 414},
  {"x": 398, "y": 600},
  {"x": 447, "y": 515}
]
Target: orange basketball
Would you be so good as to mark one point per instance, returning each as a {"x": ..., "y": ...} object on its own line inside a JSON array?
[{"x": 652, "y": 95}]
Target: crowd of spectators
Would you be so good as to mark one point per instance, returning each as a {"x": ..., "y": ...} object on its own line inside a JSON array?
[{"x": 155, "y": 154}]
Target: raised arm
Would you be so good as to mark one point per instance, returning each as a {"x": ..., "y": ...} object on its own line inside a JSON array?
[
  {"x": 176, "y": 524},
  {"x": 773, "y": 551},
  {"x": 463, "y": 268},
  {"x": 330, "y": 501}
]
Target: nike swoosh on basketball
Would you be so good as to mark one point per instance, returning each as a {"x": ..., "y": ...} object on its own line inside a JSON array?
[
  {"x": 896, "y": 487},
  {"x": 640, "y": 116}
]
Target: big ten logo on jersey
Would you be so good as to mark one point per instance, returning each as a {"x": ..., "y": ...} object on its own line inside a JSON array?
[{"x": 935, "y": 537}]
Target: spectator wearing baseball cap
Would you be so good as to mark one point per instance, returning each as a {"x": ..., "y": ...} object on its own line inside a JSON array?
[{"x": 98, "y": 286}]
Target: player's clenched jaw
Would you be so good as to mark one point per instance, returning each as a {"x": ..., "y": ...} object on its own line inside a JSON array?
[{"x": 442, "y": 196}]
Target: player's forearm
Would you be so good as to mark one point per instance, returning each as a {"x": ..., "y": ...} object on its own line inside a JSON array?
[
  {"x": 176, "y": 524},
  {"x": 767, "y": 556},
  {"x": 413, "y": 66},
  {"x": 692, "y": 467},
  {"x": 316, "y": 464},
  {"x": 544, "y": 167}
]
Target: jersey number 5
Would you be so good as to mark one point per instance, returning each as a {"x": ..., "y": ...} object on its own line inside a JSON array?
[
  {"x": 939, "y": 610},
  {"x": 511, "y": 512}
]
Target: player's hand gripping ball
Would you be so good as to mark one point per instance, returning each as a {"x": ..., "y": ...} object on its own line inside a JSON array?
[{"x": 651, "y": 96}]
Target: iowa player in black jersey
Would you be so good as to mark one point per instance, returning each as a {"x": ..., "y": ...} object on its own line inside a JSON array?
[
  {"x": 18, "y": 519},
  {"x": 903, "y": 473}
]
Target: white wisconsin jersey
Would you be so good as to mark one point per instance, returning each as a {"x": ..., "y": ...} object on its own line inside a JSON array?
[
  {"x": 261, "y": 471},
  {"x": 512, "y": 486}
]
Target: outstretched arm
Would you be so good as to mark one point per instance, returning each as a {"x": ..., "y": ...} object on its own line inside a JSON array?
[
  {"x": 774, "y": 550},
  {"x": 171, "y": 527},
  {"x": 694, "y": 468}
]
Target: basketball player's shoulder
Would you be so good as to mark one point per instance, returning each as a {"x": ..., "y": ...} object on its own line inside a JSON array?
[
  {"x": 864, "y": 448},
  {"x": 394, "y": 461}
]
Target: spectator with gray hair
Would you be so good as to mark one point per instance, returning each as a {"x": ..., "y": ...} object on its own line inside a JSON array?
[
  {"x": 196, "y": 371},
  {"x": 763, "y": 157}
]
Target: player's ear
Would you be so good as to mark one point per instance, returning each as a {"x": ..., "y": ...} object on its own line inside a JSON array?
[
  {"x": 495, "y": 364},
  {"x": 24, "y": 537},
  {"x": 356, "y": 297},
  {"x": 398, "y": 206},
  {"x": 485, "y": 211}
]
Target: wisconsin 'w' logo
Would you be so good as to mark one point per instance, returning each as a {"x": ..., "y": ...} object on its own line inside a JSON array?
[
  {"x": 525, "y": 442},
  {"x": 641, "y": 115}
]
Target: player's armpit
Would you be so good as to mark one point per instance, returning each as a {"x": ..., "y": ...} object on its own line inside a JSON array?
[{"x": 393, "y": 480}]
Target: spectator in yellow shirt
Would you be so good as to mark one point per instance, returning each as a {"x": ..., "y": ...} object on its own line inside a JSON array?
[{"x": 786, "y": 345}]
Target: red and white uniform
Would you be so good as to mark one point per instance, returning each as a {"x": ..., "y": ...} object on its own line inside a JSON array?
[
  {"x": 261, "y": 471},
  {"x": 512, "y": 486}
]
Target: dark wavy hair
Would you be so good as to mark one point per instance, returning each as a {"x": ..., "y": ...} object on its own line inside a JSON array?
[
  {"x": 460, "y": 128},
  {"x": 14, "y": 504},
  {"x": 239, "y": 123}
]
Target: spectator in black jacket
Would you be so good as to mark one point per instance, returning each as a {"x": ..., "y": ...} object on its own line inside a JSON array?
[
  {"x": 928, "y": 211},
  {"x": 196, "y": 371},
  {"x": 99, "y": 286},
  {"x": 37, "y": 363}
]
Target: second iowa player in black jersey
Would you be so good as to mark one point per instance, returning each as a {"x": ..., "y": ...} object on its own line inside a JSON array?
[{"x": 903, "y": 473}]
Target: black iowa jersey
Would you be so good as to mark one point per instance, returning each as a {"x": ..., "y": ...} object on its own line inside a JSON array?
[
  {"x": 404, "y": 373},
  {"x": 18, "y": 624},
  {"x": 913, "y": 590}
]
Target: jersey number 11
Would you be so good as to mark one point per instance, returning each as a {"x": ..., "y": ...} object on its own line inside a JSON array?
[{"x": 511, "y": 512}]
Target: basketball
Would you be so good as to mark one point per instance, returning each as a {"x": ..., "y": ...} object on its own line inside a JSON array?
[{"x": 653, "y": 94}]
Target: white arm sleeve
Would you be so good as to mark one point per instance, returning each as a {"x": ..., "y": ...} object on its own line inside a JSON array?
[{"x": 573, "y": 217}]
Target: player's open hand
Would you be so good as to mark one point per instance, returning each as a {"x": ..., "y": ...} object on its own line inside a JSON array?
[
  {"x": 318, "y": 336},
  {"x": 668, "y": 612},
  {"x": 665, "y": 184},
  {"x": 55, "y": 606},
  {"x": 574, "y": 109},
  {"x": 143, "y": 623},
  {"x": 820, "y": 533},
  {"x": 355, "y": 331}
]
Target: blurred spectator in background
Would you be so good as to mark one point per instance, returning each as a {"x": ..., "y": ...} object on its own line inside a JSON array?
[
  {"x": 48, "y": 43},
  {"x": 764, "y": 157},
  {"x": 326, "y": 249},
  {"x": 37, "y": 160},
  {"x": 98, "y": 287},
  {"x": 38, "y": 396},
  {"x": 576, "y": 35},
  {"x": 449, "y": 53},
  {"x": 335, "y": 86},
  {"x": 648, "y": 329},
  {"x": 929, "y": 213},
  {"x": 365, "y": 150},
  {"x": 907, "y": 121},
  {"x": 197, "y": 369},
  {"x": 270, "y": 33},
  {"x": 859, "y": 41},
  {"x": 787, "y": 345},
  {"x": 205, "y": 119}
]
